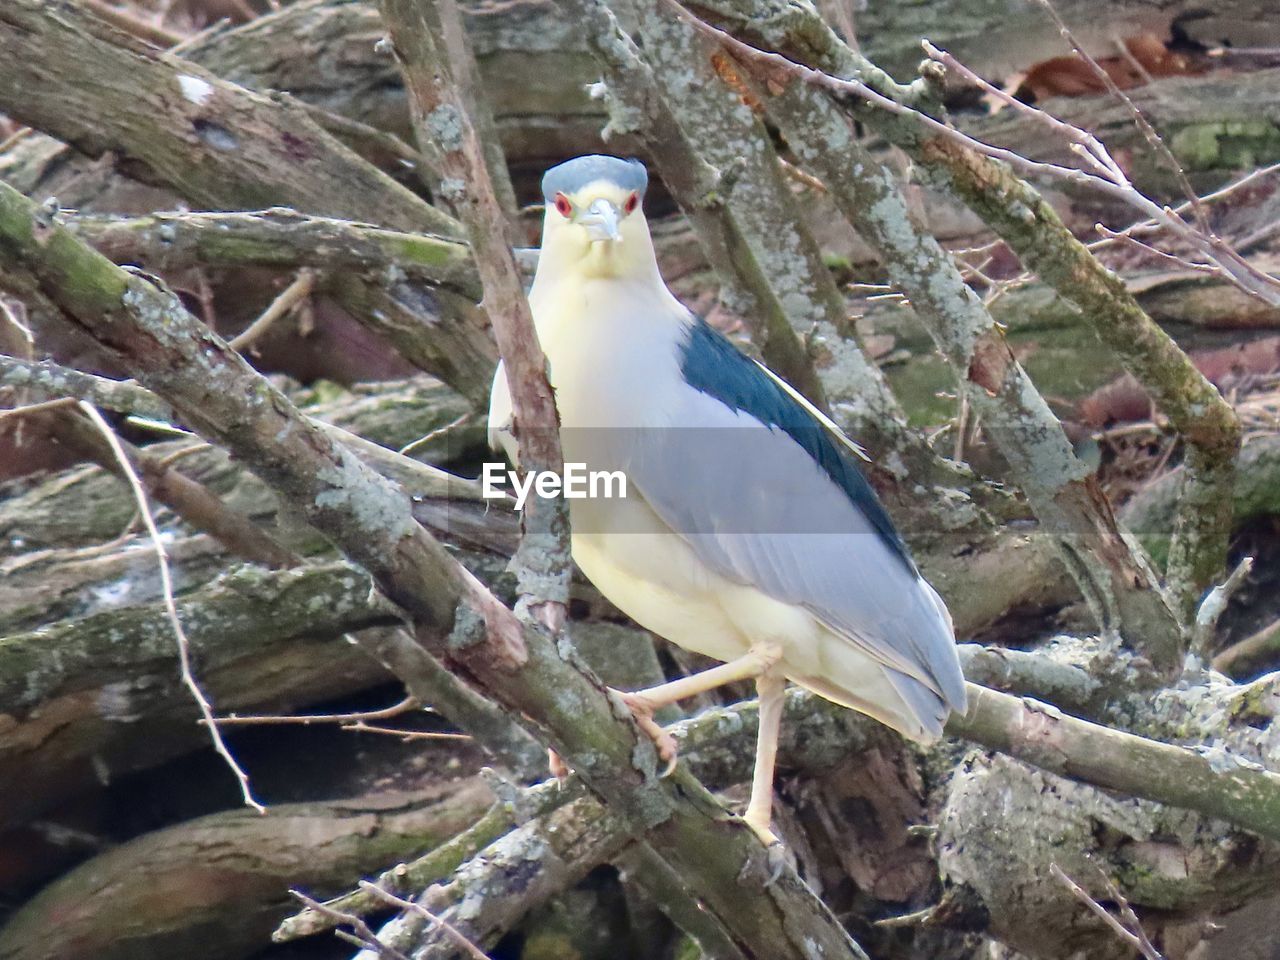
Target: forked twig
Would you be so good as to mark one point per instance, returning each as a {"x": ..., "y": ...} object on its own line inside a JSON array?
[
  {"x": 364, "y": 936},
  {"x": 456, "y": 935},
  {"x": 1139, "y": 118},
  {"x": 1103, "y": 174},
  {"x": 1127, "y": 927},
  {"x": 170, "y": 605}
]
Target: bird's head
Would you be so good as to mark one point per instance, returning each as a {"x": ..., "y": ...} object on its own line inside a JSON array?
[{"x": 594, "y": 222}]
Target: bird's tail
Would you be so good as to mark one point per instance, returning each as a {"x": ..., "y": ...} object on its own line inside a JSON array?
[{"x": 915, "y": 706}]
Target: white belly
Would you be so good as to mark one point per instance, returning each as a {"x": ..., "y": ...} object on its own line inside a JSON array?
[{"x": 653, "y": 576}]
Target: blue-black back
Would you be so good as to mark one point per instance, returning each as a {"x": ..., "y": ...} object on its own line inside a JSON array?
[{"x": 714, "y": 366}]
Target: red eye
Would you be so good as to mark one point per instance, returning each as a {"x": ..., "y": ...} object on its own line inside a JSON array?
[
  {"x": 633, "y": 201},
  {"x": 563, "y": 206}
]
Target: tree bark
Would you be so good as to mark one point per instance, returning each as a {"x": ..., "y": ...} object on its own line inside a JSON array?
[{"x": 213, "y": 888}]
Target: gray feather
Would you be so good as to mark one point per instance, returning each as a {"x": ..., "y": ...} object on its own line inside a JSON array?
[{"x": 757, "y": 508}]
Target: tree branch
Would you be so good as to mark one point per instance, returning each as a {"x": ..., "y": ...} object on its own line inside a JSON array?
[
  {"x": 279, "y": 237},
  {"x": 228, "y": 872},
  {"x": 218, "y": 145},
  {"x": 431, "y": 47},
  {"x": 1017, "y": 212},
  {"x": 1121, "y": 589},
  {"x": 174, "y": 123}
]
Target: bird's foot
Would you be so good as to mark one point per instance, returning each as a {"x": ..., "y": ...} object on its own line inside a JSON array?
[
  {"x": 663, "y": 741},
  {"x": 775, "y": 852}
]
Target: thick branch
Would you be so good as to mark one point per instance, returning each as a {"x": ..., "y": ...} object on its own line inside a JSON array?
[
  {"x": 432, "y": 50},
  {"x": 1151, "y": 512},
  {"x": 218, "y": 145},
  {"x": 176, "y": 124},
  {"x": 818, "y": 735},
  {"x": 1017, "y": 212},
  {"x": 47, "y": 380},
  {"x": 1231, "y": 788},
  {"x": 214, "y": 887},
  {"x": 639, "y": 105},
  {"x": 279, "y": 238},
  {"x": 71, "y": 719},
  {"x": 82, "y": 507}
]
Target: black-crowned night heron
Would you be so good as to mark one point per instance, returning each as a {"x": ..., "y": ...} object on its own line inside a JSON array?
[{"x": 747, "y": 532}]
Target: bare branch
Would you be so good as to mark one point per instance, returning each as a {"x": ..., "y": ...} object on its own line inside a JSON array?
[
  {"x": 1138, "y": 941},
  {"x": 1229, "y": 787},
  {"x": 1120, "y": 588},
  {"x": 1034, "y": 232},
  {"x": 1215, "y": 604},
  {"x": 431, "y": 47},
  {"x": 148, "y": 332},
  {"x": 469, "y": 948},
  {"x": 277, "y": 237},
  {"x": 166, "y": 578},
  {"x": 288, "y": 298},
  {"x": 407, "y": 705},
  {"x": 1139, "y": 119},
  {"x": 51, "y": 380},
  {"x": 364, "y": 935}
]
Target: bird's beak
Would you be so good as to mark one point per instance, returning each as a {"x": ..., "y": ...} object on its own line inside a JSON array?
[{"x": 601, "y": 221}]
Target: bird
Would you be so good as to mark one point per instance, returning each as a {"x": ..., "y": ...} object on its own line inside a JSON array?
[{"x": 747, "y": 532}]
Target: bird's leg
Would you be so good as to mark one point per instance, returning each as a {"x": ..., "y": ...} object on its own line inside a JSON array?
[
  {"x": 770, "y": 686},
  {"x": 643, "y": 703}
]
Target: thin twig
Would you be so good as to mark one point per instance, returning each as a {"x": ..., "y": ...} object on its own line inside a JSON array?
[
  {"x": 1090, "y": 148},
  {"x": 1139, "y": 118},
  {"x": 1157, "y": 253},
  {"x": 1215, "y": 604},
  {"x": 171, "y": 608},
  {"x": 407, "y": 705},
  {"x": 1107, "y": 176},
  {"x": 1143, "y": 227},
  {"x": 149, "y": 32},
  {"x": 363, "y": 934},
  {"x": 1139, "y": 943},
  {"x": 1128, "y": 57},
  {"x": 1145, "y": 946},
  {"x": 407, "y": 736},
  {"x": 288, "y": 298},
  {"x": 1234, "y": 267},
  {"x": 18, "y": 135},
  {"x": 469, "y": 948},
  {"x": 164, "y": 463},
  {"x": 43, "y": 406},
  {"x": 434, "y": 434}
]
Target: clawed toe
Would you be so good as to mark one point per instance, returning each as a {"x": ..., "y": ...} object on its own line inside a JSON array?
[
  {"x": 663, "y": 742},
  {"x": 775, "y": 851},
  {"x": 776, "y": 855}
]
